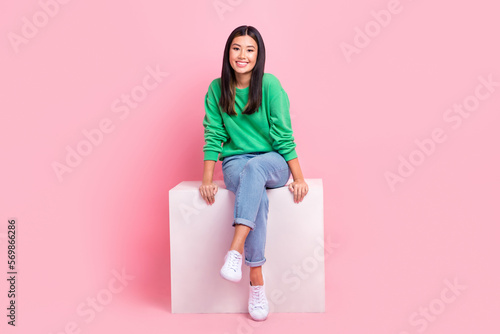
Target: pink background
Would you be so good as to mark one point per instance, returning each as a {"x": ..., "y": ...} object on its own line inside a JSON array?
[{"x": 352, "y": 118}]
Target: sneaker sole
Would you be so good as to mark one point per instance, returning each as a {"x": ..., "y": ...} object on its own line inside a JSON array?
[{"x": 258, "y": 318}]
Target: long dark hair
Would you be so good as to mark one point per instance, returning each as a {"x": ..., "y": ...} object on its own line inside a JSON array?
[{"x": 228, "y": 78}]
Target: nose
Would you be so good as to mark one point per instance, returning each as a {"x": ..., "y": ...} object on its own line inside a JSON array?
[{"x": 242, "y": 55}]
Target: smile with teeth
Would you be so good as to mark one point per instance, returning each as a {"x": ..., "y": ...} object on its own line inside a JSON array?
[{"x": 241, "y": 64}]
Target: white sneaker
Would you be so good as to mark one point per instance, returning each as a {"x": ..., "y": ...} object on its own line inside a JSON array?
[
  {"x": 258, "y": 307},
  {"x": 231, "y": 270}
]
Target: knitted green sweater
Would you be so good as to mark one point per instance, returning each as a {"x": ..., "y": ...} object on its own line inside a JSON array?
[{"x": 268, "y": 129}]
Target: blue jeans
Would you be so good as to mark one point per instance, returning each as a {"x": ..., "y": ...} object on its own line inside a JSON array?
[{"x": 247, "y": 176}]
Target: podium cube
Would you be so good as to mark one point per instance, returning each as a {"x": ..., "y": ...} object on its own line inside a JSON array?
[{"x": 200, "y": 236}]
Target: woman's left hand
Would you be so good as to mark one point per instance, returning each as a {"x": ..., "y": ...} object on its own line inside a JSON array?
[{"x": 299, "y": 188}]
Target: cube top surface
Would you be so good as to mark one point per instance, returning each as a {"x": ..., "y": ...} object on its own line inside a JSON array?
[{"x": 190, "y": 185}]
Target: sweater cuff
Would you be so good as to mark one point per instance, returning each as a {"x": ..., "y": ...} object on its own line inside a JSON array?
[
  {"x": 290, "y": 155},
  {"x": 211, "y": 155}
]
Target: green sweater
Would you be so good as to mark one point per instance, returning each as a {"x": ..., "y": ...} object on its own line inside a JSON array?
[{"x": 268, "y": 129}]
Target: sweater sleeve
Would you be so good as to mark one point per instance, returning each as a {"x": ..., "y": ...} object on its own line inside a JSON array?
[
  {"x": 280, "y": 124},
  {"x": 215, "y": 132}
]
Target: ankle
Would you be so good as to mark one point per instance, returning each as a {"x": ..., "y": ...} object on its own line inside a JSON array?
[
  {"x": 237, "y": 249},
  {"x": 256, "y": 280},
  {"x": 256, "y": 283}
]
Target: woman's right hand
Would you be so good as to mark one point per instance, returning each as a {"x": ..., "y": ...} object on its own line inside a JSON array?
[{"x": 208, "y": 191}]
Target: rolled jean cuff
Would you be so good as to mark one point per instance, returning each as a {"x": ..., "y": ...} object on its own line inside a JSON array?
[
  {"x": 244, "y": 221},
  {"x": 255, "y": 264}
]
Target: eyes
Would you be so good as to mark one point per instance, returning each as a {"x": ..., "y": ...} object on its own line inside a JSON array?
[{"x": 237, "y": 48}]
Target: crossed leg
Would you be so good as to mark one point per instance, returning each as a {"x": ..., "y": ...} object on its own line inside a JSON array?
[{"x": 248, "y": 176}]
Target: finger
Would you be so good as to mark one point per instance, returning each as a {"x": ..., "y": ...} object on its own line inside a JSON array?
[
  {"x": 205, "y": 197},
  {"x": 296, "y": 195},
  {"x": 302, "y": 194}
]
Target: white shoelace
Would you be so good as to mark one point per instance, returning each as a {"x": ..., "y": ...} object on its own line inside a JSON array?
[
  {"x": 233, "y": 261},
  {"x": 258, "y": 297}
]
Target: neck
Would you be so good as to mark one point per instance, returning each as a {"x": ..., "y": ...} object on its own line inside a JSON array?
[{"x": 243, "y": 80}]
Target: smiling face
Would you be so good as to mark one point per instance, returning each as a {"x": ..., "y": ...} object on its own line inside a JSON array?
[{"x": 243, "y": 55}]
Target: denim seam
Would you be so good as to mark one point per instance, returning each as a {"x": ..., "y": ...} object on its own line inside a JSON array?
[
  {"x": 256, "y": 263},
  {"x": 243, "y": 221},
  {"x": 228, "y": 182},
  {"x": 240, "y": 186}
]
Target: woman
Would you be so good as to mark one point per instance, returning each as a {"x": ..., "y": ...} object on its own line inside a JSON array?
[{"x": 247, "y": 111}]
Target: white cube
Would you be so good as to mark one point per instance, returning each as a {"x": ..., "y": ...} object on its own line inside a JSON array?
[{"x": 200, "y": 236}]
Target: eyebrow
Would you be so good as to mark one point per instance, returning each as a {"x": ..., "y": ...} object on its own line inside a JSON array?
[{"x": 249, "y": 46}]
